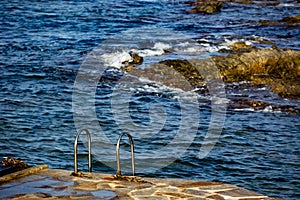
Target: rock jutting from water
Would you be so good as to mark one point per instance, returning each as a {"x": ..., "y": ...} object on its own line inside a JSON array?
[
  {"x": 10, "y": 165},
  {"x": 206, "y": 7},
  {"x": 277, "y": 68},
  {"x": 135, "y": 60}
]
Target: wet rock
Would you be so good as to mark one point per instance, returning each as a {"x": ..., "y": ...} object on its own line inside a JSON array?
[
  {"x": 128, "y": 68},
  {"x": 264, "y": 22},
  {"x": 11, "y": 165},
  {"x": 185, "y": 68},
  {"x": 266, "y": 63},
  {"x": 262, "y": 106},
  {"x": 130, "y": 64},
  {"x": 241, "y": 47},
  {"x": 244, "y": 2},
  {"x": 136, "y": 59},
  {"x": 277, "y": 68},
  {"x": 207, "y": 7},
  {"x": 287, "y": 88},
  {"x": 292, "y": 20},
  {"x": 12, "y": 162}
]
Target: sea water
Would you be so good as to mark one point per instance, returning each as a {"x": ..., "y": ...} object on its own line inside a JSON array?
[{"x": 44, "y": 45}]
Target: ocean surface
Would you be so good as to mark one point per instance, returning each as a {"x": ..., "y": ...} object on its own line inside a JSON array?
[{"x": 60, "y": 71}]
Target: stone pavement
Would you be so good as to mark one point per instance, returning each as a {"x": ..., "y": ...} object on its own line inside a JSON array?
[{"x": 40, "y": 182}]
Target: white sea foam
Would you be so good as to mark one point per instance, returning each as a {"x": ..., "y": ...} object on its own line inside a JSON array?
[
  {"x": 115, "y": 59},
  {"x": 287, "y": 4},
  {"x": 157, "y": 50},
  {"x": 244, "y": 109}
]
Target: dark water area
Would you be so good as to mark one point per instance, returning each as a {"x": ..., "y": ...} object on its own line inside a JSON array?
[{"x": 44, "y": 43}]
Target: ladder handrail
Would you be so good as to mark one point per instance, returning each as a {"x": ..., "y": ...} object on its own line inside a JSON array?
[
  {"x": 118, "y": 153},
  {"x": 89, "y": 150}
]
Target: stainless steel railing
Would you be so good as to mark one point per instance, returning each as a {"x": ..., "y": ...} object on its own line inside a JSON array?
[
  {"x": 118, "y": 153},
  {"x": 89, "y": 150}
]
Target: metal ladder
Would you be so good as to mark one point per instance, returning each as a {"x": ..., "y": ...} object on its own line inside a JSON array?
[
  {"x": 89, "y": 150},
  {"x": 118, "y": 153}
]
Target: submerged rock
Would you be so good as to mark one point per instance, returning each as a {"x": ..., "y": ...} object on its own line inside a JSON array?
[
  {"x": 292, "y": 19},
  {"x": 207, "y": 7},
  {"x": 262, "y": 106}
]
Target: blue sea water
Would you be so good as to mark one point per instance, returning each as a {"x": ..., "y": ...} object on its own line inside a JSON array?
[{"x": 43, "y": 45}]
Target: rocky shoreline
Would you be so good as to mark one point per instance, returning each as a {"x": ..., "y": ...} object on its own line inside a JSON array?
[{"x": 278, "y": 69}]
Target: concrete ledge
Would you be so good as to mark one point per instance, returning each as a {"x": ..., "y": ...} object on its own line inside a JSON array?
[{"x": 40, "y": 182}]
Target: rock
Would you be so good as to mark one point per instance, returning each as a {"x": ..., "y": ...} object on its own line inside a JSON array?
[
  {"x": 264, "y": 22},
  {"x": 278, "y": 68},
  {"x": 275, "y": 63},
  {"x": 244, "y": 2},
  {"x": 292, "y": 20},
  {"x": 207, "y": 7},
  {"x": 130, "y": 65},
  {"x": 136, "y": 59},
  {"x": 241, "y": 47},
  {"x": 287, "y": 88},
  {"x": 262, "y": 106},
  {"x": 12, "y": 162},
  {"x": 185, "y": 68},
  {"x": 128, "y": 68}
]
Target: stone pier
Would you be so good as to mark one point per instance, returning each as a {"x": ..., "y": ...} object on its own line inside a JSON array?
[{"x": 41, "y": 182}]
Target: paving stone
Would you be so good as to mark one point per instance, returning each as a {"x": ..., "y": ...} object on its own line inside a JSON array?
[
  {"x": 54, "y": 183},
  {"x": 196, "y": 192},
  {"x": 150, "y": 198},
  {"x": 216, "y": 197},
  {"x": 240, "y": 192},
  {"x": 173, "y": 194},
  {"x": 144, "y": 192}
]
